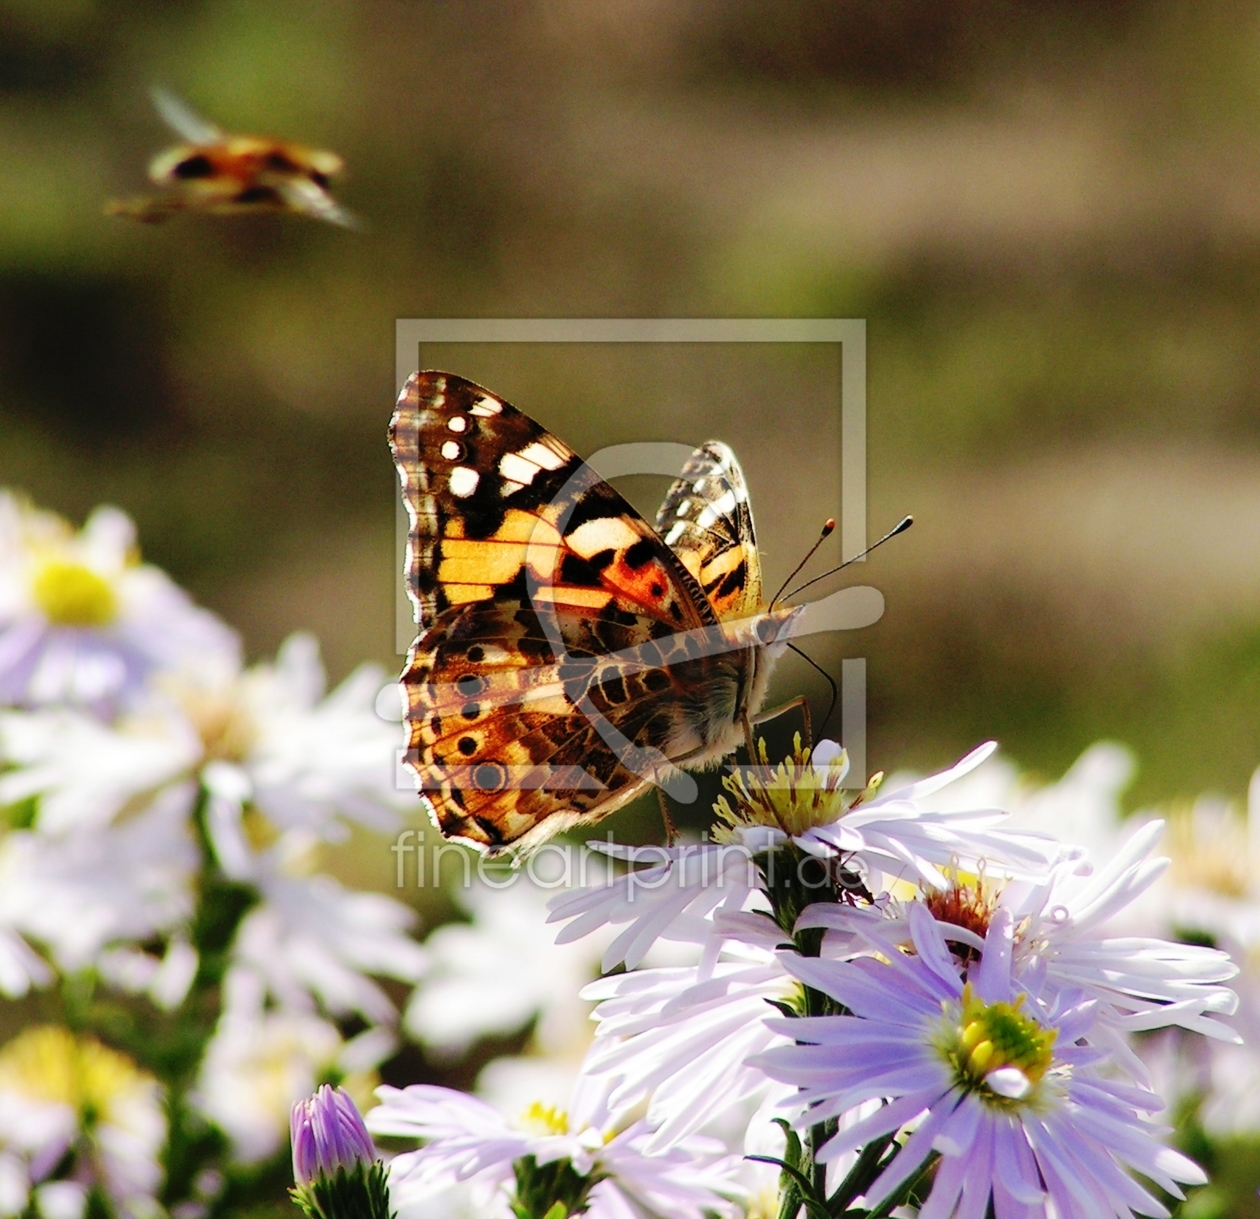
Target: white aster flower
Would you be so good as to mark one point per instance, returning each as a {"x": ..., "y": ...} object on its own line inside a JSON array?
[
  {"x": 493, "y": 975},
  {"x": 282, "y": 767},
  {"x": 1213, "y": 885},
  {"x": 1009, "y": 1097},
  {"x": 596, "y": 1167},
  {"x": 678, "y": 1040},
  {"x": 311, "y": 938},
  {"x": 83, "y": 622},
  {"x": 1140, "y": 983},
  {"x": 59, "y": 1092},
  {"x": 82, "y": 893},
  {"x": 277, "y": 745},
  {"x": 83, "y": 773},
  {"x": 266, "y": 740},
  {"x": 261, "y": 1062},
  {"x": 1082, "y": 807},
  {"x": 867, "y": 843}
]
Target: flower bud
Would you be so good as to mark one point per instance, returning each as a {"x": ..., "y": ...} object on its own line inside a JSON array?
[
  {"x": 328, "y": 1134},
  {"x": 335, "y": 1169}
]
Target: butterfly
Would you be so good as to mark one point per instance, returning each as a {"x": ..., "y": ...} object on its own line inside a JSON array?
[
  {"x": 220, "y": 173},
  {"x": 570, "y": 655}
]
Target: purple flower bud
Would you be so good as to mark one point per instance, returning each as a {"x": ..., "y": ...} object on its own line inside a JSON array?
[{"x": 328, "y": 1134}]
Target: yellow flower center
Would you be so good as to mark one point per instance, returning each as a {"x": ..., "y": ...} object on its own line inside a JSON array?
[
  {"x": 981, "y": 1038},
  {"x": 222, "y": 720},
  {"x": 50, "y": 1064},
  {"x": 793, "y": 797},
  {"x": 544, "y": 1119},
  {"x": 1210, "y": 849},
  {"x": 71, "y": 594}
]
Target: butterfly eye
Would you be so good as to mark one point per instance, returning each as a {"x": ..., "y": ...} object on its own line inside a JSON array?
[{"x": 767, "y": 631}]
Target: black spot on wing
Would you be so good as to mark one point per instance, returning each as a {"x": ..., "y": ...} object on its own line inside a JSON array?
[
  {"x": 577, "y": 571},
  {"x": 197, "y": 166},
  {"x": 639, "y": 553},
  {"x": 734, "y": 581},
  {"x": 280, "y": 163}
]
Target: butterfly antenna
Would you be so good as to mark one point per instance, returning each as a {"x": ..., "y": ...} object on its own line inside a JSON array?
[
  {"x": 831, "y": 681},
  {"x": 900, "y": 527},
  {"x": 829, "y": 527}
]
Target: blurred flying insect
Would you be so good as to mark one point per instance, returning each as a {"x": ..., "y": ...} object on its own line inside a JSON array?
[{"x": 225, "y": 174}]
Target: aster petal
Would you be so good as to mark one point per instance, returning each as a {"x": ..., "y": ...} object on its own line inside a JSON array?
[
  {"x": 1013, "y": 1164},
  {"x": 885, "y": 1120},
  {"x": 933, "y": 783},
  {"x": 913, "y": 1153},
  {"x": 993, "y": 980}
]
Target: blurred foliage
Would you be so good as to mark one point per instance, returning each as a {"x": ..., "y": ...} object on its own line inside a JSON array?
[{"x": 1047, "y": 213}]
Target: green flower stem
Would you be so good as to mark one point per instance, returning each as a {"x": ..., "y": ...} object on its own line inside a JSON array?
[{"x": 793, "y": 880}]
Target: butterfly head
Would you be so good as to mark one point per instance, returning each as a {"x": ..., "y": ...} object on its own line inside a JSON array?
[{"x": 772, "y": 630}]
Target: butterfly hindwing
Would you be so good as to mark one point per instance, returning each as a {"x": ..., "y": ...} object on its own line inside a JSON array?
[
  {"x": 504, "y": 737},
  {"x": 706, "y": 520}
]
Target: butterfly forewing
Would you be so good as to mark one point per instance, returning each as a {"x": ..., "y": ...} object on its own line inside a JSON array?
[
  {"x": 493, "y": 498},
  {"x": 705, "y": 519}
]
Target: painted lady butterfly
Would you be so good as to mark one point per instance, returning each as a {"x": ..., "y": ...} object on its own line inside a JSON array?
[
  {"x": 212, "y": 171},
  {"x": 569, "y": 654}
]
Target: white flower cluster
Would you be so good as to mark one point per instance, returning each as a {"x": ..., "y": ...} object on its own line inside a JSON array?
[
  {"x": 163, "y": 814},
  {"x": 901, "y": 996}
]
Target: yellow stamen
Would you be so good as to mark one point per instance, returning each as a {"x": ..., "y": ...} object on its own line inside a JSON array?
[
  {"x": 545, "y": 1119},
  {"x": 793, "y": 797},
  {"x": 72, "y": 594},
  {"x": 979, "y": 1038}
]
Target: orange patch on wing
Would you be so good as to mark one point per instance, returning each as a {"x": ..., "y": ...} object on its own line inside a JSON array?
[
  {"x": 648, "y": 585},
  {"x": 457, "y": 594},
  {"x": 568, "y": 594},
  {"x": 479, "y": 562}
]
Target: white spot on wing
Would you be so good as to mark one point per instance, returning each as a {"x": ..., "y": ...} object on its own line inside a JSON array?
[
  {"x": 457, "y": 423},
  {"x": 486, "y": 407},
  {"x": 723, "y": 506},
  {"x": 517, "y": 468},
  {"x": 464, "y": 481},
  {"x": 609, "y": 532},
  {"x": 684, "y": 506},
  {"x": 541, "y": 455},
  {"x": 451, "y": 450},
  {"x": 679, "y": 528}
]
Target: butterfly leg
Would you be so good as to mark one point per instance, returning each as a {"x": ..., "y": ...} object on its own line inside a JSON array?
[
  {"x": 671, "y": 830},
  {"x": 749, "y": 743},
  {"x": 800, "y": 703}
]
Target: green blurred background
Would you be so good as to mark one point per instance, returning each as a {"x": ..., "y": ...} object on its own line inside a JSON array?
[{"x": 1049, "y": 213}]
